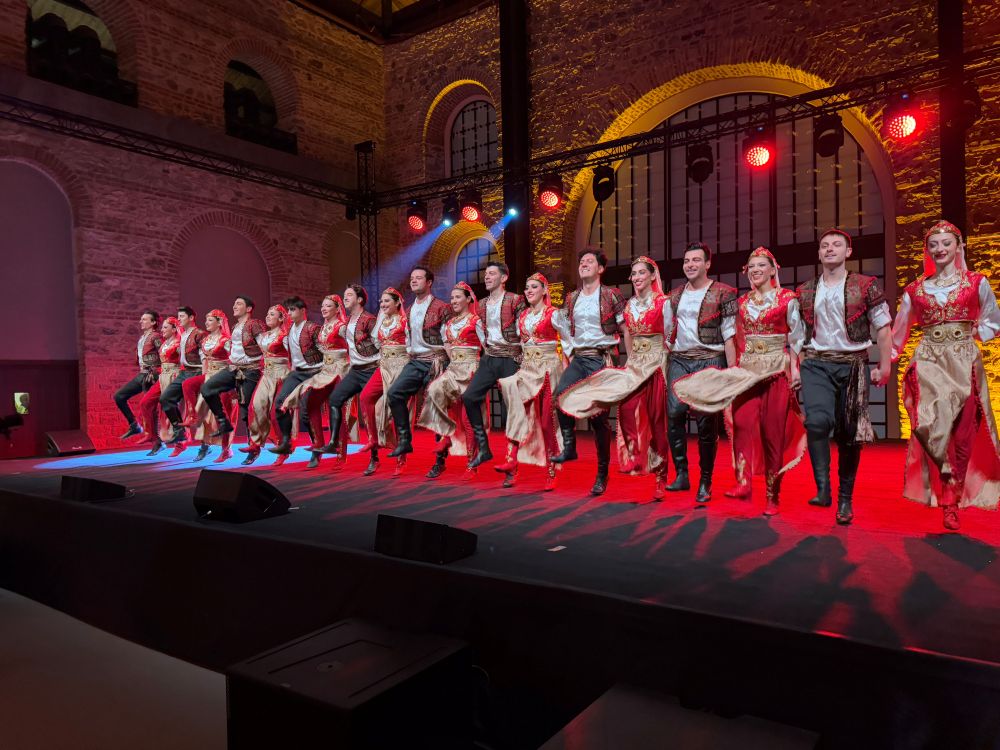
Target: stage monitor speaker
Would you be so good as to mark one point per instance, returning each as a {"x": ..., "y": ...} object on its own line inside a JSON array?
[
  {"x": 68, "y": 443},
  {"x": 89, "y": 490},
  {"x": 423, "y": 541},
  {"x": 235, "y": 497}
]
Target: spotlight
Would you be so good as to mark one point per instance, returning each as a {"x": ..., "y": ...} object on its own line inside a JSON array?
[
  {"x": 604, "y": 182},
  {"x": 512, "y": 212},
  {"x": 416, "y": 216},
  {"x": 758, "y": 148},
  {"x": 700, "y": 162},
  {"x": 901, "y": 119},
  {"x": 450, "y": 212},
  {"x": 550, "y": 192},
  {"x": 828, "y": 135},
  {"x": 963, "y": 105},
  {"x": 472, "y": 205}
]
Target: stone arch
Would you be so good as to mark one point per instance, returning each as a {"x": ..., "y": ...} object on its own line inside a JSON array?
[
  {"x": 440, "y": 114},
  {"x": 273, "y": 68},
  {"x": 67, "y": 180},
  {"x": 444, "y": 252},
  {"x": 127, "y": 32}
]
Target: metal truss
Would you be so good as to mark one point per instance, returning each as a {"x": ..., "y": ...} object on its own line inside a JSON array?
[{"x": 367, "y": 215}]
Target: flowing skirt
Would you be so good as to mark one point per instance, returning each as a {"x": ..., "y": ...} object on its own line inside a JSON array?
[
  {"x": 150, "y": 404},
  {"x": 259, "y": 422},
  {"x": 312, "y": 394},
  {"x": 531, "y": 420},
  {"x": 640, "y": 391},
  {"x": 444, "y": 412},
  {"x": 762, "y": 414},
  {"x": 946, "y": 394},
  {"x": 205, "y": 421},
  {"x": 374, "y": 403}
]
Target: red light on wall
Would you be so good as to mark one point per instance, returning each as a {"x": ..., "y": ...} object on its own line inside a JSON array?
[
  {"x": 470, "y": 213},
  {"x": 416, "y": 223},
  {"x": 900, "y": 125},
  {"x": 416, "y": 215},
  {"x": 758, "y": 148},
  {"x": 901, "y": 119},
  {"x": 550, "y": 199},
  {"x": 550, "y": 192},
  {"x": 758, "y": 156}
]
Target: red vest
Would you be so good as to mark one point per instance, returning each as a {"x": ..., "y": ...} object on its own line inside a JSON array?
[
  {"x": 151, "y": 351},
  {"x": 962, "y": 303},
  {"x": 544, "y": 331},
  {"x": 192, "y": 347},
  {"x": 649, "y": 322},
  {"x": 251, "y": 330},
  {"x": 438, "y": 312},
  {"x": 773, "y": 322},
  {"x": 308, "y": 343},
  {"x": 861, "y": 294},
  {"x": 363, "y": 335}
]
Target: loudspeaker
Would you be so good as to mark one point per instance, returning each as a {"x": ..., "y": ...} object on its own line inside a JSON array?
[
  {"x": 422, "y": 540},
  {"x": 231, "y": 496},
  {"x": 89, "y": 490},
  {"x": 68, "y": 443}
]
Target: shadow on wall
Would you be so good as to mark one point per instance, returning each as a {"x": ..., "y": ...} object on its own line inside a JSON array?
[{"x": 217, "y": 264}]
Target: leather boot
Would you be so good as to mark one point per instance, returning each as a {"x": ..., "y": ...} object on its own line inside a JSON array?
[
  {"x": 483, "y": 443},
  {"x": 708, "y": 446},
  {"x": 334, "y": 445},
  {"x": 202, "y": 453},
  {"x": 602, "y": 437},
  {"x": 773, "y": 484},
  {"x": 314, "y": 460},
  {"x": 743, "y": 490},
  {"x": 509, "y": 479},
  {"x": 569, "y": 446},
  {"x": 511, "y": 463},
  {"x": 284, "y": 448},
  {"x": 133, "y": 429},
  {"x": 252, "y": 455},
  {"x": 173, "y": 414},
  {"x": 438, "y": 468},
  {"x": 819, "y": 457},
  {"x": 952, "y": 492},
  {"x": 849, "y": 456},
  {"x": 677, "y": 437},
  {"x": 550, "y": 480},
  {"x": 156, "y": 447},
  {"x": 226, "y": 454},
  {"x": 225, "y": 427},
  {"x": 660, "y": 489},
  {"x": 404, "y": 441},
  {"x": 372, "y": 464}
]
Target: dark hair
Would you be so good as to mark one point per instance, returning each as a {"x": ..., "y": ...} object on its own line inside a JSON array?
[
  {"x": 153, "y": 314},
  {"x": 249, "y": 302},
  {"x": 841, "y": 233},
  {"x": 360, "y": 291},
  {"x": 644, "y": 262},
  {"x": 700, "y": 246},
  {"x": 188, "y": 310},
  {"x": 399, "y": 300},
  {"x": 427, "y": 272},
  {"x": 463, "y": 290},
  {"x": 500, "y": 266},
  {"x": 294, "y": 302},
  {"x": 602, "y": 259}
]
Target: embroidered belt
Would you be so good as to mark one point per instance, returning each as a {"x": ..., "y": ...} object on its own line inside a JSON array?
[
  {"x": 308, "y": 368},
  {"x": 245, "y": 366},
  {"x": 213, "y": 366},
  {"x": 510, "y": 351},
  {"x": 276, "y": 363},
  {"x": 952, "y": 332},
  {"x": 539, "y": 353},
  {"x": 394, "y": 351},
  {"x": 644, "y": 344},
  {"x": 170, "y": 367},
  {"x": 594, "y": 352},
  {"x": 464, "y": 354},
  {"x": 698, "y": 353},
  {"x": 432, "y": 356},
  {"x": 765, "y": 344},
  {"x": 191, "y": 368},
  {"x": 841, "y": 358},
  {"x": 330, "y": 358}
]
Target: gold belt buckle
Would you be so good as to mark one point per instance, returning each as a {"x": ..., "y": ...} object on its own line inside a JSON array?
[{"x": 641, "y": 346}]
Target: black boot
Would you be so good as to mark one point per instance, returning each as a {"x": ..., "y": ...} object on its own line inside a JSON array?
[
  {"x": 252, "y": 455},
  {"x": 819, "y": 457},
  {"x": 314, "y": 460},
  {"x": 174, "y": 415},
  {"x": 483, "y": 441},
  {"x": 225, "y": 427},
  {"x": 334, "y": 445},
  {"x": 284, "y": 448},
  {"x": 404, "y": 441},
  {"x": 708, "y": 446},
  {"x": 372, "y": 465},
  {"x": 156, "y": 447},
  {"x": 569, "y": 446},
  {"x": 849, "y": 456},
  {"x": 602, "y": 438},
  {"x": 133, "y": 429},
  {"x": 677, "y": 437},
  {"x": 202, "y": 452},
  {"x": 438, "y": 468}
]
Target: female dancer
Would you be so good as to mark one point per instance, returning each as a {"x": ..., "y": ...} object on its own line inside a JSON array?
[
  {"x": 170, "y": 366},
  {"x": 531, "y": 421},
  {"x": 768, "y": 436},
  {"x": 640, "y": 388},
  {"x": 214, "y": 359},
  {"x": 953, "y": 457},
  {"x": 276, "y": 366},
  {"x": 315, "y": 391},
  {"x": 444, "y": 412},
  {"x": 390, "y": 338}
]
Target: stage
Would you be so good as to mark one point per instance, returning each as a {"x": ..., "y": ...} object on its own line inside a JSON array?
[{"x": 566, "y": 594}]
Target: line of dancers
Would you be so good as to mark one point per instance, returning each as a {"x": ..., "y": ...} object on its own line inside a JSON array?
[{"x": 701, "y": 350}]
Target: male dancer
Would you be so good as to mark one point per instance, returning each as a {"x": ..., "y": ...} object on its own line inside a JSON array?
[
  {"x": 245, "y": 358},
  {"x": 839, "y": 308},
  {"x": 499, "y": 311},
  {"x": 190, "y": 351},
  {"x": 704, "y": 325},
  {"x": 590, "y": 326},
  {"x": 148, "y": 352},
  {"x": 306, "y": 360},
  {"x": 363, "y": 353},
  {"x": 427, "y": 355}
]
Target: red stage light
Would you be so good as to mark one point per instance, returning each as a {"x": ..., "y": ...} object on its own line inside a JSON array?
[
  {"x": 550, "y": 198},
  {"x": 416, "y": 223},
  {"x": 416, "y": 215},
  {"x": 901, "y": 119},
  {"x": 470, "y": 213},
  {"x": 900, "y": 125},
  {"x": 758, "y": 148},
  {"x": 550, "y": 192},
  {"x": 758, "y": 156}
]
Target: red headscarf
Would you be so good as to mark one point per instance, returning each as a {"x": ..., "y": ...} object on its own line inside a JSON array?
[
  {"x": 285, "y": 325},
  {"x": 462, "y": 285},
  {"x": 223, "y": 322},
  {"x": 545, "y": 284},
  {"x": 341, "y": 313},
  {"x": 763, "y": 252},
  {"x": 944, "y": 227},
  {"x": 174, "y": 322},
  {"x": 657, "y": 284},
  {"x": 402, "y": 305}
]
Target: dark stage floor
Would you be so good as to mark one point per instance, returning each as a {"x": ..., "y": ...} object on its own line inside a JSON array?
[{"x": 893, "y": 579}]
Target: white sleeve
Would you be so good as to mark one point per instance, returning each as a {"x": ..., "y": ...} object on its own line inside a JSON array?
[
  {"x": 901, "y": 326},
  {"x": 989, "y": 312},
  {"x": 879, "y": 316},
  {"x": 728, "y": 327},
  {"x": 560, "y": 322},
  {"x": 668, "y": 322},
  {"x": 481, "y": 332},
  {"x": 375, "y": 338},
  {"x": 796, "y": 327}
]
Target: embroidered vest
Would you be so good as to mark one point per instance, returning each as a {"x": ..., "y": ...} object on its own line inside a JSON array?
[
  {"x": 861, "y": 294},
  {"x": 251, "y": 330},
  {"x": 438, "y": 313},
  {"x": 395, "y": 335},
  {"x": 363, "y": 335},
  {"x": 774, "y": 320},
  {"x": 650, "y": 321},
  {"x": 466, "y": 335},
  {"x": 171, "y": 353},
  {"x": 543, "y": 331},
  {"x": 510, "y": 308},
  {"x": 151, "y": 352},
  {"x": 308, "y": 344},
  {"x": 612, "y": 303},
  {"x": 719, "y": 303},
  {"x": 328, "y": 339},
  {"x": 192, "y": 347},
  {"x": 217, "y": 351},
  {"x": 962, "y": 302}
]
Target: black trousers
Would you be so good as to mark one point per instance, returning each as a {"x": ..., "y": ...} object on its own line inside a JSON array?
[
  {"x": 290, "y": 383},
  {"x": 579, "y": 368},
  {"x": 173, "y": 393},
  {"x": 139, "y": 384},
  {"x": 225, "y": 381},
  {"x": 824, "y": 389},
  {"x": 491, "y": 369},
  {"x": 708, "y": 424},
  {"x": 352, "y": 384},
  {"x": 415, "y": 375}
]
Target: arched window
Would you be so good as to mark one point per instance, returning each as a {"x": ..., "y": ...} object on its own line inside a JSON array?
[
  {"x": 473, "y": 138},
  {"x": 68, "y": 44},
  {"x": 250, "y": 111},
  {"x": 657, "y": 209},
  {"x": 471, "y": 263}
]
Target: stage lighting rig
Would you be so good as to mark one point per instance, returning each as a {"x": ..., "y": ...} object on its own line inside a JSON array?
[
  {"x": 472, "y": 205},
  {"x": 450, "y": 211},
  {"x": 828, "y": 134},
  {"x": 416, "y": 215},
  {"x": 604, "y": 182},
  {"x": 700, "y": 162},
  {"x": 550, "y": 192},
  {"x": 758, "y": 148},
  {"x": 902, "y": 119}
]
